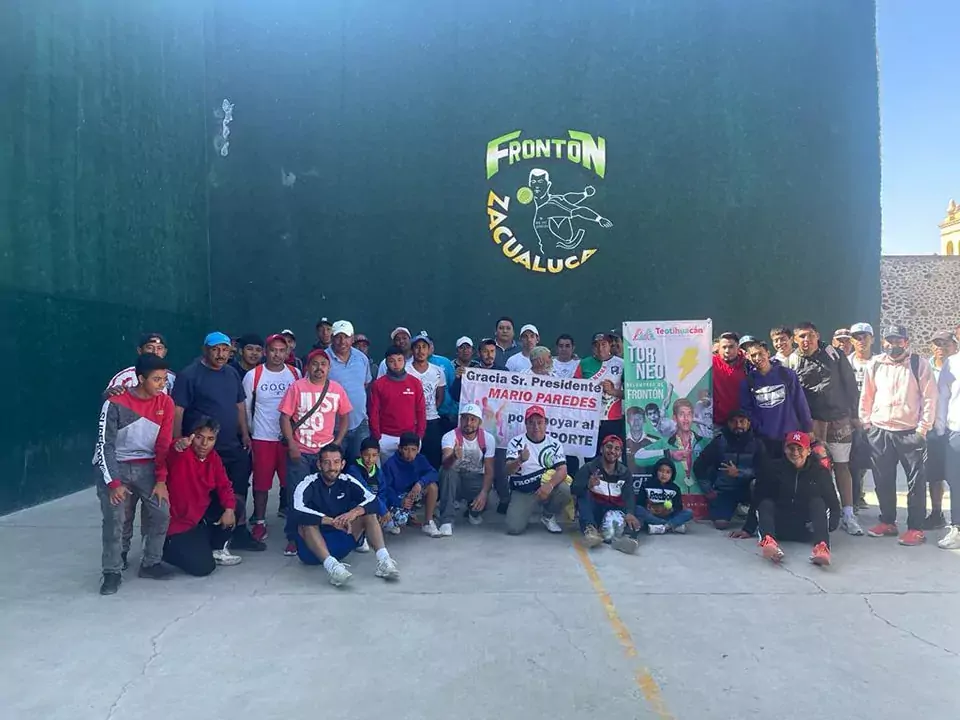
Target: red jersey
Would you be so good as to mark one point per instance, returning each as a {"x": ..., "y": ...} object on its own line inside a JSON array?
[
  {"x": 190, "y": 481},
  {"x": 396, "y": 406}
]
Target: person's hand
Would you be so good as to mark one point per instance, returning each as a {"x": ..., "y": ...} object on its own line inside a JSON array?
[
  {"x": 922, "y": 432},
  {"x": 245, "y": 440},
  {"x": 458, "y": 451},
  {"x": 632, "y": 522},
  {"x": 183, "y": 443},
  {"x": 730, "y": 469},
  {"x": 594, "y": 480},
  {"x": 411, "y": 496},
  {"x": 524, "y": 454},
  {"x": 544, "y": 491},
  {"x": 293, "y": 452},
  {"x": 479, "y": 502},
  {"x": 161, "y": 493},
  {"x": 342, "y": 522},
  {"x": 118, "y": 494},
  {"x": 740, "y": 535},
  {"x": 114, "y": 391},
  {"x": 460, "y": 371},
  {"x": 608, "y": 387},
  {"x": 228, "y": 519}
]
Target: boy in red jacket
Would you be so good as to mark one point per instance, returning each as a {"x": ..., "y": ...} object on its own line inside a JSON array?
[
  {"x": 202, "y": 504},
  {"x": 729, "y": 370},
  {"x": 396, "y": 405}
]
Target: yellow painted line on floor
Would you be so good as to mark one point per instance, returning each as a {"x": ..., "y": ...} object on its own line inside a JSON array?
[{"x": 644, "y": 679}]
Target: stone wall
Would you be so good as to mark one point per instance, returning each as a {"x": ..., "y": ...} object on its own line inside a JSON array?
[{"x": 921, "y": 292}]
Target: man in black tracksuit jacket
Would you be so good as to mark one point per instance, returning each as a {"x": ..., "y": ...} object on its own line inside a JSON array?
[{"x": 791, "y": 493}]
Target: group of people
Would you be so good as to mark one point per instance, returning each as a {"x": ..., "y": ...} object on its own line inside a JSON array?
[{"x": 361, "y": 447}]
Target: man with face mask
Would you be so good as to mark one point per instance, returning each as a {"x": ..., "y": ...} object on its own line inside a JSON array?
[{"x": 898, "y": 407}]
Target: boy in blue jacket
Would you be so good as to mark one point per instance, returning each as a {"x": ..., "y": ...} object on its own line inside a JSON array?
[
  {"x": 407, "y": 478},
  {"x": 332, "y": 512}
]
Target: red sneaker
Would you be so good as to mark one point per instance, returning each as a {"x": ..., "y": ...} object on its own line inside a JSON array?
[
  {"x": 259, "y": 530},
  {"x": 883, "y": 530},
  {"x": 770, "y": 550},
  {"x": 913, "y": 537},
  {"x": 820, "y": 555},
  {"x": 291, "y": 549}
]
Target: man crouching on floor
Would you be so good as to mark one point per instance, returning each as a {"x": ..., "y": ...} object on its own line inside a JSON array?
[{"x": 333, "y": 512}]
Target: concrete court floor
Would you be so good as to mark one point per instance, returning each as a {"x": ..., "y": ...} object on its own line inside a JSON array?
[{"x": 480, "y": 626}]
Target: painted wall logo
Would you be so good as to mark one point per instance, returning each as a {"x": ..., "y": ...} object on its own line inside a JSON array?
[{"x": 547, "y": 231}]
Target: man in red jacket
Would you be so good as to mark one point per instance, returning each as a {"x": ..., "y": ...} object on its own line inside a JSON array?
[
  {"x": 396, "y": 404},
  {"x": 729, "y": 371},
  {"x": 202, "y": 503}
]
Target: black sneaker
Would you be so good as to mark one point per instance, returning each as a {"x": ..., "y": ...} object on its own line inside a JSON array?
[
  {"x": 110, "y": 583},
  {"x": 154, "y": 572},
  {"x": 123, "y": 557},
  {"x": 282, "y": 509},
  {"x": 934, "y": 521},
  {"x": 502, "y": 508},
  {"x": 243, "y": 540}
]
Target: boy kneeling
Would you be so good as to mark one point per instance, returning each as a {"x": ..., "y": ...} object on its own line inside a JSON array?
[{"x": 333, "y": 512}]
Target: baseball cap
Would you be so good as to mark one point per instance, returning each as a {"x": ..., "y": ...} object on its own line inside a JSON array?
[
  {"x": 343, "y": 327},
  {"x": 943, "y": 336},
  {"x": 597, "y": 337},
  {"x": 360, "y": 338},
  {"x": 472, "y": 409},
  {"x": 288, "y": 332},
  {"x": 614, "y": 334},
  {"x": 422, "y": 337},
  {"x": 861, "y": 328},
  {"x": 400, "y": 329},
  {"x": 842, "y": 333},
  {"x": 895, "y": 331},
  {"x": 151, "y": 337},
  {"x": 612, "y": 438},
  {"x": 797, "y": 438},
  {"x": 739, "y": 412},
  {"x": 464, "y": 341},
  {"x": 531, "y": 328},
  {"x": 216, "y": 338},
  {"x": 747, "y": 340},
  {"x": 249, "y": 339},
  {"x": 534, "y": 410},
  {"x": 275, "y": 336},
  {"x": 315, "y": 353},
  {"x": 324, "y": 321}
]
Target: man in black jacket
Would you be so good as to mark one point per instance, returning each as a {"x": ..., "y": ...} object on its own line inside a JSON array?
[
  {"x": 605, "y": 499},
  {"x": 792, "y": 493},
  {"x": 831, "y": 388}
]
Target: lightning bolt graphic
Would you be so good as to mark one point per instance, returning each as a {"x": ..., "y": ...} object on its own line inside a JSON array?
[{"x": 688, "y": 361}]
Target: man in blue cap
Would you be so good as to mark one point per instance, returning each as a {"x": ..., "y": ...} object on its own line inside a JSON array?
[{"x": 207, "y": 387}]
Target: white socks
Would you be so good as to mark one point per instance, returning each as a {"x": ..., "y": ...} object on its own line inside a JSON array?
[
  {"x": 330, "y": 563},
  {"x": 382, "y": 554},
  {"x": 848, "y": 511}
]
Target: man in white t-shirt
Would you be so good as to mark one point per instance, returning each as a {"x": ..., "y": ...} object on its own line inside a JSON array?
[
  {"x": 264, "y": 387},
  {"x": 434, "y": 383},
  {"x": 566, "y": 361},
  {"x": 537, "y": 467},
  {"x": 466, "y": 471},
  {"x": 529, "y": 339}
]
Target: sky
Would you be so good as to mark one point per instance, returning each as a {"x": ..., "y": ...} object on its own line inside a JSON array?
[{"x": 919, "y": 46}]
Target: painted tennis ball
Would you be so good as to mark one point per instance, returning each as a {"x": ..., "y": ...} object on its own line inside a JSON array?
[
  {"x": 524, "y": 196},
  {"x": 668, "y": 505}
]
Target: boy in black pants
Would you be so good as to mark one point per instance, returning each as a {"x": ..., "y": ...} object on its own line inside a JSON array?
[{"x": 796, "y": 490}]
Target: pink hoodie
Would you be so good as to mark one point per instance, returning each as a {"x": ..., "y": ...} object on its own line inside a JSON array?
[{"x": 891, "y": 398}]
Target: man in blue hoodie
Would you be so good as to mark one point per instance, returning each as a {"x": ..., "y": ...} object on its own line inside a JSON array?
[
  {"x": 773, "y": 399},
  {"x": 408, "y": 477}
]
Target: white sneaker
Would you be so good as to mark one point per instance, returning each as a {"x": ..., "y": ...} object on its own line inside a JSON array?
[
  {"x": 363, "y": 547},
  {"x": 550, "y": 523},
  {"x": 339, "y": 575},
  {"x": 656, "y": 529},
  {"x": 679, "y": 529},
  {"x": 475, "y": 519},
  {"x": 392, "y": 528},
  {"x": 430, "y": 529},
  {"x": 446, "y": 530},
  {"x": 387, "y": 569},
  {"x": 851, "y": 525},
  {"x": 225, "y": 557},
  {"x": 950, "y": 541}
]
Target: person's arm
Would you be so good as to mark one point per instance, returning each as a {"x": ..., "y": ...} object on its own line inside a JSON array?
[
  {"x": 748, "y": 402},
  {"x": 944, "y": 385},
  {"x": 342, "y": 425},
  {"x": 366, "y": 501},
  {"x": 420, "y": 410},
  {"x": 441, "y": 390},
  {"x": 448, "y": 449},
  {"x": 928, "y": 397},
  {"x": 302, "y": 514},
  {"x": 177, "y": 422},
  {"x": 426, "y": 475},
  {"x": 161, "y": 447},
  {"x": 106, "y": 450},
  {"x": 373, "y": 411},
  {"x": 705, "y": 465},
  {"x": 182, "y": 398},
  {"x": 248, "y": 396},
  {"x": 799, "y": 398},
  {"x": 244, "y": 429},
  {"x": 865, "y": 410},
  {"x": 559, "y": 475},
  {"x": 368, "y": 376},
  {"x": 455, "y": 388},
  {"x": 849, "y": 383}
]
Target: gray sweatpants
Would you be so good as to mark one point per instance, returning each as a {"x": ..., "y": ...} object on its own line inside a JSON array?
[
  {"x": 522, "y": 504},
  {"x": 139, "y": 480},
  {"x": 459, "y": 485}
]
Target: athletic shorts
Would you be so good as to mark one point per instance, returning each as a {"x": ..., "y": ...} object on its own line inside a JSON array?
[
  {"x": 837, "y": 436},
  {"x": 269, "y": 459},
  {"x": 339, "y": 544}
]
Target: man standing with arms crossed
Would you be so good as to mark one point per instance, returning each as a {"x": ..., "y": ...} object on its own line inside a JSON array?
[{"x": 898, "y": 408}]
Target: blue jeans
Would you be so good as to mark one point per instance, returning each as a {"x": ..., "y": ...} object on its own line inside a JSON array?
[
  {"x": 296, "y": 472},
  {"x": 724, "y": 505},
  {"x": 591, "y": 510},
  {"x": 353, "y": 439},
  {"x": 680, "y": 517}
]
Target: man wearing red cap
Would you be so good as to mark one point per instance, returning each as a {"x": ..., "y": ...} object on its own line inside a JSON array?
[
  {"x": 537, "y": 467},
  {"x": 796, "y": 492},
  {"x": 264, "y": 386}
]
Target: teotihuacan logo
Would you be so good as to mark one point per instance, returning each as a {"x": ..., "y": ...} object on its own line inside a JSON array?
[{"x": 544, "y": 210}]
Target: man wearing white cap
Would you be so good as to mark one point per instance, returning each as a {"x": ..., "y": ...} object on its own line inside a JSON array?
[
  {"x": 466, "y": 471},
  {"x": 351, "y": 368},
  {"x": 861, "y": 335},
  {"x": 464, "y": 358},
  {"x": 529, "y": 339},
  {"x": 400, "y": 337}
]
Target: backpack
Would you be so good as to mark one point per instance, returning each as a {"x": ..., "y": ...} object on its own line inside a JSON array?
[{"x": 481, "y": 439}]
